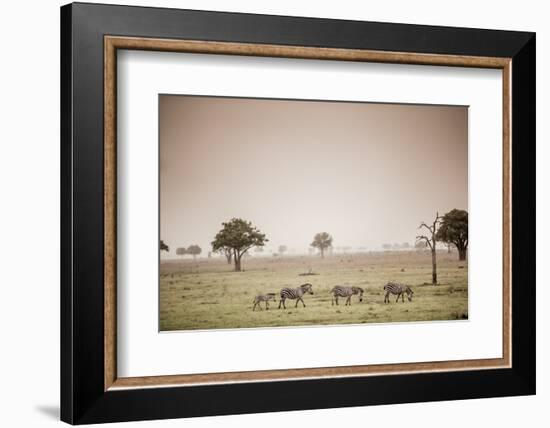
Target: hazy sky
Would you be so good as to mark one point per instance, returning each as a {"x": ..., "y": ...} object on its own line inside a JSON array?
[{"x": 366, "y": 173}]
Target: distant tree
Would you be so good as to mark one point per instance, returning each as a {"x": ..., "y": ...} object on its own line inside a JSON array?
[
  {"x": 227, "y": 253},
  {"x": 210, "y": 254},
  {"x": 420, "y": 245},
  {"x": 346, "y": 248},
  {"x": 164, "y": 247},
  {"x": 396, "y": 246},
  {"x": 194, "y": 250},
  {"x": 430, "y": 240},
  {"x": 258, "y": 249},
  {"x": 454, "y": 230},
  {"x": 181, "y": 251},
  {"x": 322, "y": 241},
  {"x": 282, "y": 249},
  {"x": 386, "y": 247},
  {"x": 405, "y": 245},
  {"x": 238, "y": 235}
]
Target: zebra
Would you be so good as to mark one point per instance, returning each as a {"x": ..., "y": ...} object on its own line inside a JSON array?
[
  {"x": 263, "y": 298},
  {"x": 399, "y": 290},
  {"x": 347, "y": 292},
  {"x": 295, "y": 294}
]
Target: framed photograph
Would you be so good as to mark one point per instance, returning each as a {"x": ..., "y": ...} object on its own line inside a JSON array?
[{"x": 267, "y": 213}]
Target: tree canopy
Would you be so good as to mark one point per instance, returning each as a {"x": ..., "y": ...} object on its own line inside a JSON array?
[
  {"x": 163, "y": 246},
  {"x": 454, "y": 229},
  {"x": 322, "y": 241},
  {"x": 194, "y": 250},
  {"x": 181, "y": 251},
  {"x": 239, "y": 236}
]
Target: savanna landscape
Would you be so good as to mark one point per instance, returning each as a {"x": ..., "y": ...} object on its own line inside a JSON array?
[
  {"x": 208, "y": 294},
  {"x": 278, "y": 213}
]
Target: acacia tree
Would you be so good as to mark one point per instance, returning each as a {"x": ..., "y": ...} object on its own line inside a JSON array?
[
  {"x": 430, "y": 240},
  {"x": 181, "y": 251},
  {"x": 194, "y": 250},
  {"x": 239, "y": 236},
  {"x": 163, "y": 246},
  {"x": 322, "y": 241},
  {"x": 454, "y": 230},
  {"x": 282, "y": 249}
]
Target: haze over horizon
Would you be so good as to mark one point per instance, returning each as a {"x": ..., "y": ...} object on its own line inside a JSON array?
[{"x": 368, "y": 174}]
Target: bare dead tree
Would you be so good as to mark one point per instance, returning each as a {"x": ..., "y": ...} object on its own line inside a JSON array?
[{"x": 430, "y": 240}]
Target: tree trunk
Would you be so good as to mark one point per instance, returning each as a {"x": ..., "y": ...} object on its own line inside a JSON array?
[
  {"x": 462, "y": 254},
  {"x": 237, "y": 259},
  {"x": 322, "y": 252},
  {"x": 229, "y": 258},
  {"x": 434, "y": 268}
]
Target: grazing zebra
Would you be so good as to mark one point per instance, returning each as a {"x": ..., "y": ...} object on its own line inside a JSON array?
[
  {"x": 399, "y": 290},
  {"x": 347, "y": 292},
  {"x": 263, "y": 298},
  {"x": 295, "y": 294}
]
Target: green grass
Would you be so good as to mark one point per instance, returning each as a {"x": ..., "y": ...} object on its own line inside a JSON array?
[{"x": 207, "y": 294}]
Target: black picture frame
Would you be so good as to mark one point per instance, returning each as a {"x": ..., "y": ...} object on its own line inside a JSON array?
[{"x": 83, "y": 398}]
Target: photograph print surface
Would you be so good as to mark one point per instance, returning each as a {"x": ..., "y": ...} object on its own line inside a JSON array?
[{"x": 278, "y": 213}]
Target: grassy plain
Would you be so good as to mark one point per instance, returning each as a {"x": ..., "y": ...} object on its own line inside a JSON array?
[{"x": 207, "y": 294}]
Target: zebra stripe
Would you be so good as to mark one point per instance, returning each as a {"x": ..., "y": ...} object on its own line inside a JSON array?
[
  {"x": 347, "y": 292},
  {"x": 263, "y": 298},
  {"x": 295, "y": 294},
  {"x": 399, "y": 290}
]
